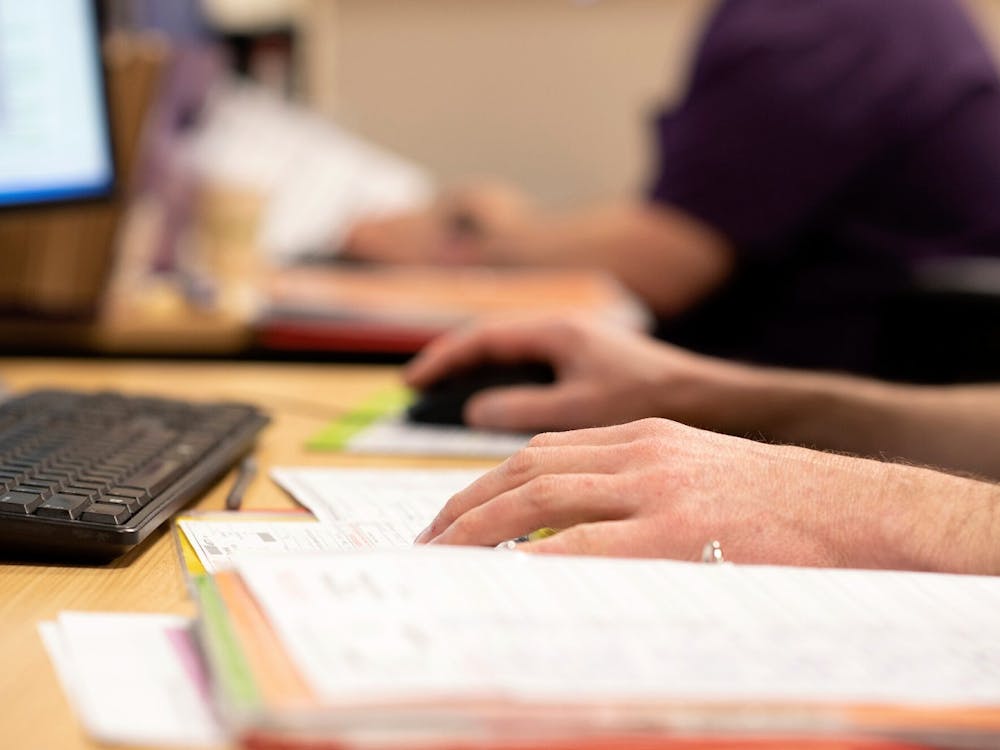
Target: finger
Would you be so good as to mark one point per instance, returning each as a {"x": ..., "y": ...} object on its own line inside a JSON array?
[
  {"x": 614, "y": 435},
  {"x": 529, "y": 408},
  {"x": 552, "y": 500},
  {"x": 504, "y": 342},
  {"x": 522, "y": 467},
  {"x": 612, "y": 538}
]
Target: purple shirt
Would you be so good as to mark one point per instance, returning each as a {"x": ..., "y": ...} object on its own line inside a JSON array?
[{"x": 836, "y": 143}]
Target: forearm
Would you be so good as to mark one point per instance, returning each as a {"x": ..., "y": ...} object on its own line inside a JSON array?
[
  {"x": 957, "y": 428},
  {"x": 911, "y": 518},
  {"x": 668, "y": 258}
]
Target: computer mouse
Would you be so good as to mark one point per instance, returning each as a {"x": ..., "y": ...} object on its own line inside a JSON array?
[{"x": 442, "y": 402}]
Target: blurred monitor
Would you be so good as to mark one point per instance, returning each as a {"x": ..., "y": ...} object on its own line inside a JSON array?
[{"x": 55, "y": 143}]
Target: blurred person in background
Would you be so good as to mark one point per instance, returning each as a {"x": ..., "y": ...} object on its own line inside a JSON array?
[{"x": 824, "y": 149}]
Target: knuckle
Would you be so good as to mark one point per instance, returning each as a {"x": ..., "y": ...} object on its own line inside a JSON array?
[
  {"x": 647, "y": 426},
  {"x": 541, "y": 491},
  {"x": 462, "y": 527},
  {"x": 655, "y": 427},
  {"x": 522, "y": 462},
  {"x": 647, "y": 448},
  {"x": 542, "y": 439},
  {"x": 581, "y": 539}
]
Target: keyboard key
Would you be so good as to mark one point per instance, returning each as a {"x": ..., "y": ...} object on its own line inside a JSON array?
[
  {"x": 19, "y": 503},
  {"x": 128, "y": 502},
  {"x": 97, "y": 487},
  {"x": 50, "y": 476},
  {"x": 70, "y": 489},
  {"x": 63, "y": 506},
  {"x": 36, "y": 489},
  {"x": 156, "y": 476},
  {"x": 97, "y": 475},
  {"x": 130, "y": 492},
  {"x": 107, "y": 513}
]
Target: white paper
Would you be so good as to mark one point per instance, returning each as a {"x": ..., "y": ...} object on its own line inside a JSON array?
[
  {"x": 396, "y": 436},
  {"x": 216, "y": 541},
  {"x": 317, "y": 178},
  {"x": 403, "y": 501},
  {"x": 465, "y": 623},
  {"x": 133, "y": 679}
]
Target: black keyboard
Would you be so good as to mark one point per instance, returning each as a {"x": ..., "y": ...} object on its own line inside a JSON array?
[{"x": 89, "y": 476}]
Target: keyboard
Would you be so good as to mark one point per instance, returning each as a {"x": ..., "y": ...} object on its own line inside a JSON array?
[{"x": 90, "y": 476}]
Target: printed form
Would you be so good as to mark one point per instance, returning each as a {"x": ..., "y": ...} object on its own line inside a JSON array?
[
  {"x": 354, "y": 508},
  {"x": 406, "y": 499},
  {"x": 439, "y": 623}
]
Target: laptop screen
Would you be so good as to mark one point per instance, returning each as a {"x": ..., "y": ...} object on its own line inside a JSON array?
[{"x": 54, "y": 136}]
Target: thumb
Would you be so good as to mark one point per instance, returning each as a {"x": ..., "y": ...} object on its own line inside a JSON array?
[{"x": 529, "y": 408}]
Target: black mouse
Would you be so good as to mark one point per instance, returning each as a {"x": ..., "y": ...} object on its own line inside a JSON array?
[{"x": 442, "y": 402}]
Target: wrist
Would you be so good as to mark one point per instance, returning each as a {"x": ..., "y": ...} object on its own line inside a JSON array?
[
  {"x": 831, "y": 412},
  {"x": 704, "y": 392},
  {"x": 864, "y": 513},
  {"x": 929, "y": 520}
]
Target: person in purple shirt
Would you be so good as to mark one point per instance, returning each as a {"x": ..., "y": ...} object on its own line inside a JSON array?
[{"x": 823, "y": 150}]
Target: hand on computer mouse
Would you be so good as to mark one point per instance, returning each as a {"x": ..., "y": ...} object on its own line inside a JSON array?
[
  {"x": 604, "y": 375},
  {"x": 443, "y": 402}
]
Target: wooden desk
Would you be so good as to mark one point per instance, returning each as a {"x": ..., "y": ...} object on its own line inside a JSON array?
[{"x": 34, "y": 712}]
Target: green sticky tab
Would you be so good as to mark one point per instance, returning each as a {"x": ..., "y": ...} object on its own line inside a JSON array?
[
  {"x": 336, "y": 435},
  {"x": 228, "y": 664}
]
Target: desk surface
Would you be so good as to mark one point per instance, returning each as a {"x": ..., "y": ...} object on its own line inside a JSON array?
[{"x": 300, "y": 398}]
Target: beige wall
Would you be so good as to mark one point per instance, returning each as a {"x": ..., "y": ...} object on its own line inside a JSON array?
[{"x": 546, "y": 93}]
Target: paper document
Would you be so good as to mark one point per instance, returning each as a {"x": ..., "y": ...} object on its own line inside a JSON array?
[
  {"x": 317, "y": 178},
  {"x": 216, "y": 541},
  {"x": 379, "y": 426},
  {"x": 133, "y": 679},
  {"x": 461, "y": 624},
  {"x": 399, "y": 502},
  {"x": 396, "y": 436}
]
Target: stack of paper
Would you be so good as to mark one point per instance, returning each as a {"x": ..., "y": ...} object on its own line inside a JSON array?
[
  {"x": 434, "y": 645},
  {"x": 331, "y": 630},
  {"x": 134, "y": 679}
]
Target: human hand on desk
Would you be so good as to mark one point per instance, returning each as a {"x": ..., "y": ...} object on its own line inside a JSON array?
[
  {"x": 478, "y": 224},
  {"x": 656, "y": 488},
  {"x": 604, "y": 375}
]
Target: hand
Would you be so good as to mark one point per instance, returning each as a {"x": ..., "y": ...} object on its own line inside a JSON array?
[
  {"x": 659, "y": 489},
  {"x": 479, "y": 224},
  {"x": 604, "y": 375}
]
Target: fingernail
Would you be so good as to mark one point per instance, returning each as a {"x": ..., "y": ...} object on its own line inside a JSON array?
[{"x": 423, "y": 536}]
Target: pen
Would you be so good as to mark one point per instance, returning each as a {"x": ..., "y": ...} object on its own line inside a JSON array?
[{"x": 244, "y": 475}]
